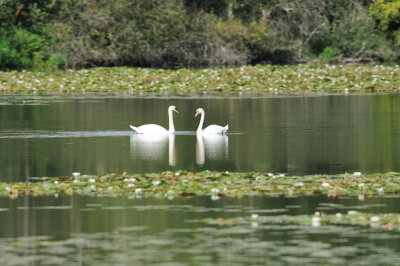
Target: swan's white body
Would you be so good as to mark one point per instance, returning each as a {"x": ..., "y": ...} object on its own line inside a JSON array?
[
  {"x": 153, "y": 129},
  {"x": 211, "y": 129}
]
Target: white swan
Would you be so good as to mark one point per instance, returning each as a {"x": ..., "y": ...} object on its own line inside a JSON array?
[
  {"x": 156, "y": 129},
  {"x": 211, "y": 129}
]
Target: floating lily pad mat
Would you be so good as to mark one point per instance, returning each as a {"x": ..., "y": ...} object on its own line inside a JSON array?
[
  {"x": 244, "y": 80},
  {"x": 214, "y": 184}
]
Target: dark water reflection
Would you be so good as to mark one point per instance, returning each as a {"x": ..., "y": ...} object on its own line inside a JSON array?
[{"x": 294, "y": 135}]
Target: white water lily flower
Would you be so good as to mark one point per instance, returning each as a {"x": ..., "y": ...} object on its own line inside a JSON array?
[
  {"x": 156, "y": 182},
  {"x": 357, "y": 174},
  {"x": 76, "y": 174},
  {"x": 324, "y": 184},
  {"x": 75, "y": 181},
  {"x": 361, "y": 185},
  {"x": 215, "y": 191},
  {"x": 338, "y": 214},
  {"x": 316, "y": 221},
  {"x": 254, "y": 216},
  {"x": 131, "y": 185},
  {"x": 56, "y": 182},
  {"x": 299, "y": 184},
  {"x": 92, "y": 180},
  {"x": 92, "y": 187},
  {"x": 177, "y": 174},
  {"x": 379, "y": 190},
  {"x": 7, "y": 188},
  {"x": 374, "y": 219},
  {"x": 138, "y": 191},
  {"x": 352, "y": 212},
  {"x": 270, "y": 174}
]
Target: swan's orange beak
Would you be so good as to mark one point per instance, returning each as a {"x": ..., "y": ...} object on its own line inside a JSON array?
[
  {"x": 176, "y": 110},
  {"x": 197, "y": 113}
]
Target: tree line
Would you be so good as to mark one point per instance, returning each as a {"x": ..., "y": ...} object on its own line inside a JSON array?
[{"x": 196, "y": 33}]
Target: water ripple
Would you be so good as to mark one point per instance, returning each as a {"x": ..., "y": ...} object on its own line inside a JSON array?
[
  {"x": 62, "y": 134},
  {"x": 39, "y": 134}
]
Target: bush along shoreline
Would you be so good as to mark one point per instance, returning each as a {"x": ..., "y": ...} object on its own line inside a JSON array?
[{"x": 196, "y": 33}]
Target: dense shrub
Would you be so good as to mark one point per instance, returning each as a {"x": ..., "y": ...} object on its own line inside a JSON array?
[
  {"x": 8, "y": 56},
  {"x": 20, "y": 48},
  {"x": 387, "y": 14},
  {"x": 182, "y": 33}
]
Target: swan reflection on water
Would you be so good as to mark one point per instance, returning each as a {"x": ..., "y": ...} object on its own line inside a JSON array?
[
  {"x": 212, "y": 147},
  {"x": 153, "y": 147}
]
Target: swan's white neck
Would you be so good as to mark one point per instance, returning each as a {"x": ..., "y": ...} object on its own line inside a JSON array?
[
  {"x": 200, "y": 128},
  {"x": 171, "y": 122}
]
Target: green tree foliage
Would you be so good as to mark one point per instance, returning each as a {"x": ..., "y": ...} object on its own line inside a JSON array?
[
  {"x": 21, "y": 48},
  {"x": 24, "y": 37},
  {"x": 183, "y": 33},
  {"x": 140, "y": 32},
  {"x": 32, "y": 15},
  {"x": 387, "y": 13}
]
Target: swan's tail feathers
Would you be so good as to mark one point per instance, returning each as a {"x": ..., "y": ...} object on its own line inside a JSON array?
[
  {"x": 136, "y": 129},
  {"x": 225, "y": 129}
]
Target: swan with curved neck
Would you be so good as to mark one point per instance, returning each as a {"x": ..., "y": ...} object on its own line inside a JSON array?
[
  {"x": 156, "y": 129},
  {"x": 211, "y": 129}
]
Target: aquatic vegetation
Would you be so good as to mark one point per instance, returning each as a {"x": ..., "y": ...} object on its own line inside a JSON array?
[
  {"x": 258, "y": 79},
  {"x": 214, "y": 184},
  {"x": 387, "y": 221},
  {"x": 209, "y": 244}
]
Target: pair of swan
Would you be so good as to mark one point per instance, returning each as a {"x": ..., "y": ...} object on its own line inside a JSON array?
[{"x": 156, "y": 129}]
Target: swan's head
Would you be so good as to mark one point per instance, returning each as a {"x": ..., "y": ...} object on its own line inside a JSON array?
[
  {"x": 173, "y": 108},
  {"x": 199, "y": 111}
]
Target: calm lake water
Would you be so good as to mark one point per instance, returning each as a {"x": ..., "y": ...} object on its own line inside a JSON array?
[
  {"x": 55, "y": 136},
  {"x": 118, "y": 231},
  {"x": 293, "y": 135}
]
